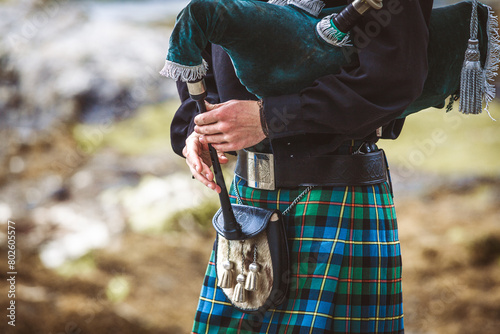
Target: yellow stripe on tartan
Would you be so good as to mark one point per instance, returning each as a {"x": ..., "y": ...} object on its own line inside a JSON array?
[
  {"x": 348, "y": 241},
  {"x": 270, "y": 321},
  {"x": 218, "y": 302},
  {"x": 278, "y": 199},
  {"x": 393, "y": 228},
  {"x": 340, "y": 318},
  {"x": 369, "y": 318},
  {"x": 213, "y": 303},
  {"x": 379, "y": 274},
  {"x": 314, "y": 314},
  {"x": 341, "y": 215},
  {"x": 269, "y": 324}
]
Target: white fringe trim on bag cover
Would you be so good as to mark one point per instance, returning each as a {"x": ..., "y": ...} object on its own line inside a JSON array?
[
  {"x": 328, "y": 32},
  {"x": 184, "y": 73},
  {"x": 278, "y": 2},
  {"x": 492, "y": 59},
  {"x": 313, "y": 7}
]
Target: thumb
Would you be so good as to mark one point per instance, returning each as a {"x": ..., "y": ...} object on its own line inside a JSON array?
[
  {"x": 209, "y": 106},
  {"x": 222, "y": 157}
]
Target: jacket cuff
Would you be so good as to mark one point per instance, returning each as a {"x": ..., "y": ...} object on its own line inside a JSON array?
[
  {"x": 281, "y": 115},
  {"x": 190, "y": 128}
]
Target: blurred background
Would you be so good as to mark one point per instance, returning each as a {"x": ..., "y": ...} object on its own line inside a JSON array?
[{"x": 112, "y": 234}]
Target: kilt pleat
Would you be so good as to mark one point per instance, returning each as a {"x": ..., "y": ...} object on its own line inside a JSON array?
[{"x": 345, "y": 266}]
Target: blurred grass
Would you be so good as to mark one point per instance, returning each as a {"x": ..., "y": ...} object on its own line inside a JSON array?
[
  {"x": 432, "y": 140},
  {"x": 83, "y": 266},
  {"x": 118, "y": 289},
  {"x": 197, "y": 219},
  {"x": 448, "y": 143},
  {"x": 148, "y": 131}
]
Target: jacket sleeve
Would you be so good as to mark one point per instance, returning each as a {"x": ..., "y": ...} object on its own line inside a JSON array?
[
  {"x": 391, "y": 47},
  {"x": 182, "y": 124}
]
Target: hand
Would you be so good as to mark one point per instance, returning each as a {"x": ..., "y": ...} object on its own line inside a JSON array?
[
  {"x": 199, "y": 162},
  {"x": 230, "y": 126}
]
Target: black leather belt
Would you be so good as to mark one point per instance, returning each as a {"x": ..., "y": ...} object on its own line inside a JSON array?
[{"x": 258, "y": 169}]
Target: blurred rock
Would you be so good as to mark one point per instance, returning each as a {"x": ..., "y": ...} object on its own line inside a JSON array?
[
  {"x": 485, "y": 250},
  {"x": 76, "y": 233},
  {"x": 60, "y": 63},
  {"x": 150, "y": 205}
]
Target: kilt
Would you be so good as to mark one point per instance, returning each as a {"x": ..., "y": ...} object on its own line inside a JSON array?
[{"x": 345, "y": 266}]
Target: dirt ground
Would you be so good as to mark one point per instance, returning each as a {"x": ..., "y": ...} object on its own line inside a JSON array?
[
  {"x": 451, "y": 258},
  {"x": 147, "y": 283}
]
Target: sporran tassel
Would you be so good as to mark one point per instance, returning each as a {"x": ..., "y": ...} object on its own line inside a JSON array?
[
  {"x": 240, "y": 294},
  {"x": 472, "y": 76},
  {"x": 226, "y": 281},
  {"x": 252, "y": 279}
]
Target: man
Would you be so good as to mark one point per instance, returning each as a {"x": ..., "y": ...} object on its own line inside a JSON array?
[{"x": 344, "y": 247}]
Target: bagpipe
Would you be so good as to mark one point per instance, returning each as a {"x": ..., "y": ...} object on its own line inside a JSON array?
[{"x": 282, "y": 46}]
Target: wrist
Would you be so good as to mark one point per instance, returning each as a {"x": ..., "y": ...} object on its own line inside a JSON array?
[{"x": 262, "y": 115}]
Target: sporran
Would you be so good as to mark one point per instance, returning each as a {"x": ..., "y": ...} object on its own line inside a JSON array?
[{"x": 253, "y": 269}]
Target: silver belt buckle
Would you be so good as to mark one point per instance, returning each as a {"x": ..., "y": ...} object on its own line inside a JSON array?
[{"x": 260, "y": 170}]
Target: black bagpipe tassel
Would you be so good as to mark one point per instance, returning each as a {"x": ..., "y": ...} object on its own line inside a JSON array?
[
  {"x": 252, "y": 279},
  {"x": 472, "y": 78},
  {"x": 240, "y": 295}
]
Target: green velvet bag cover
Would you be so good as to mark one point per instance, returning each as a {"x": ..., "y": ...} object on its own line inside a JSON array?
[{"x": 276, "y": 50}]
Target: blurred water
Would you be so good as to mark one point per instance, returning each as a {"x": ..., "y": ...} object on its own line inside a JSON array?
[
  {"x": 158, "y": 10},
  {"x": 134, "y": 11}
]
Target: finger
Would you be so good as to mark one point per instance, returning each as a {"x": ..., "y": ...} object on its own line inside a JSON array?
[
  {"x": 213, "y": 139},
  {"x": 226, "y": 147},
  {"x": 203, "y": 180},
  {"x": 208, "y": 117},
  {"x": 205, "y": 177},
  {"x": 210, "y": 129},
  {"x": 207, "y": 173},
  {"x": 193, "y": 160},
  {"x": 200, "y": 170},
  {"x": 198, "y": 165},
  {"x": 209, "y": 177},
  {"x": 212, "y": 184},
  {"x": 209, "y": 106},
  {"x": 195, "y": 165},
  {"x": 222, "y": 158}
]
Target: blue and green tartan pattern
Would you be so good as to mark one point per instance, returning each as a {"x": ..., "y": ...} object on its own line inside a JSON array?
[{"x": 345, "y": 266}]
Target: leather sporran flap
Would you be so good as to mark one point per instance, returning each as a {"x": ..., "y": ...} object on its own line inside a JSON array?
[
  {"x": 252, "y": 221},
  {"x": 253, "y": 272}
]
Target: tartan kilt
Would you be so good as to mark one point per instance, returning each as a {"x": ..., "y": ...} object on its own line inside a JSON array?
[{"x": 345, "y": 266}]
